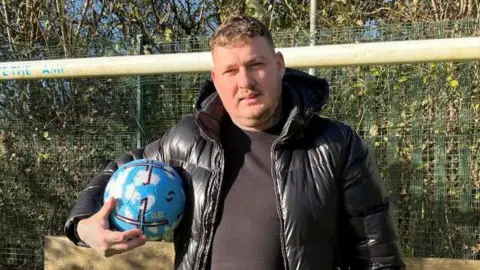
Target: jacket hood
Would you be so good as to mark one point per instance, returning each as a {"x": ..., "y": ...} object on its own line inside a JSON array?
[{"x": 303, "y": 95}]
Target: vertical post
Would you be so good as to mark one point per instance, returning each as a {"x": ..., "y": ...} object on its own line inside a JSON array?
[
  {"x": 139, "y": 93},
  {"x": 313, "y": 18}
]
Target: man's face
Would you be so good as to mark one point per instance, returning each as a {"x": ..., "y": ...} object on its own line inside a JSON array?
[{"x": 248, "y": 80}]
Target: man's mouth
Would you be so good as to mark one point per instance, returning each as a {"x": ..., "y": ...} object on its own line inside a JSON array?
[{"x": 250, "y": 97}]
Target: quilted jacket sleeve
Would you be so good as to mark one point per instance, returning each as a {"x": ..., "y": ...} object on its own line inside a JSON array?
[
  {"x": 91, "y": 198},
  {"x": 370, "y": 238}
]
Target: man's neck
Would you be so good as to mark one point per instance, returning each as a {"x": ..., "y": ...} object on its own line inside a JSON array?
[
  {"x": 277, "y": 117},
  {"x": 271, "y": 122}
]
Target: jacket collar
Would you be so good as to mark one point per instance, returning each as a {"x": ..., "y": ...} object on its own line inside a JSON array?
[{"x": 303, "y": 96}]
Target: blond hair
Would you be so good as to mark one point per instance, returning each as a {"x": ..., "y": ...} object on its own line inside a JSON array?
[{"x": 237, "y": 30}]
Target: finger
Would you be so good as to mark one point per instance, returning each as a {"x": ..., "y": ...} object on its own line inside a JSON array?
[
  {"x": 121, "y": 247},
  {"x": 107, "y": 207},
  {"x": 117, "y": 237}
]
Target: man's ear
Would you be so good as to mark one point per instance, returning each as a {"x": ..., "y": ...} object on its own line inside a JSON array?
[
  {"x": 280, "y": 62},
  {"x": 212, "y": 75}
]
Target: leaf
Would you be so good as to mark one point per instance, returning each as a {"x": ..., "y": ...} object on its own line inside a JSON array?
[
  {"x": 373, "y": 130},
  {"x": 168, "y": 34},
  {"x": 358, "y": 84},
  {"x": 375, "y": 72},
  {"x": 340, "y": 19},
  {"x": 45, "y": 135},
  {"x": 402, "y": 79},
  {"x": 453, "y": 83}
]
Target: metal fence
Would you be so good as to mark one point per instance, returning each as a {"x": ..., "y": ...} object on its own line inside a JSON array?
[{"x": 422, "y": 120}]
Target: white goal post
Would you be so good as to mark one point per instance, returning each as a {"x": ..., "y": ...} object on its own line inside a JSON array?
[{"x": 394, "y": 52}]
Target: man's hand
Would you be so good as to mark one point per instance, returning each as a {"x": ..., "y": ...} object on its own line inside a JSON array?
[{"x": 95, "y": 232}]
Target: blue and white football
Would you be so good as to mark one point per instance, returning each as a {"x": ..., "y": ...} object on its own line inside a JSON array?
[{"x": 149, "y": 196}]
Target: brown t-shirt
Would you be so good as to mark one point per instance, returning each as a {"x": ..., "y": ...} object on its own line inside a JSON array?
[{"x": 248, "y": 231}]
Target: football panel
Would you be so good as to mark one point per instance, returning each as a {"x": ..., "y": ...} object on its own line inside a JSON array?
[{"x": 125, "y": 218}]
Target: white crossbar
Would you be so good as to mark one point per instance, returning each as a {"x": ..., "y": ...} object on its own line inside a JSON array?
[{"x": 395, "y": 52}]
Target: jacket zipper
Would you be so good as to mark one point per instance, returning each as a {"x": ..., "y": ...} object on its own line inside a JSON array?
[
  {"x": 201, "y": 262},
  {"x": 215, "y": 208},
  {"x": 203, "y": 258},
  {"x": 277, "y": 191},
  {"x": 202, "y": 240},
  {"x": 278, "y": 203}
]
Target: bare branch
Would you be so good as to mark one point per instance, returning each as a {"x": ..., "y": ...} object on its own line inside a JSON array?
[
  {"x": 33, "y": 11},
  {"x": 11, "y": 42},
  {"x": 477, "y": 4},
  {"x": 462, "y": 7},
  {"x": 189, "y": 8},
  {"x": 155, "y": 12},
  {"x": 44, "y": 33},
  {"x": 470, "y": 8},
  {"x": 96, "y": 20},
  {"x": 377, "y": 11},
  {"x": 200, "y": 16},
  {"x": 183, "y": 6},
  {"x": 179, "y": 18},
  {"x": 86, "y": 4},
  {"x": 442, "y": 11},
  {"x": 435, "y": 11},
  {"x": 272, "y": 13},
  {"x": 292, "y": 11},
  {"x": 59, "y": 8}
]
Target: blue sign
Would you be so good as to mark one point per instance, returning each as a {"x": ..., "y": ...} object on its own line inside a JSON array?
[
  {"x": 15, "y": 71},
  {"x": 25, "y": 70}
]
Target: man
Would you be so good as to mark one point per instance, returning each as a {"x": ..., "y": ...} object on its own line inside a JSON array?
[{"x": 270, "y": 184}]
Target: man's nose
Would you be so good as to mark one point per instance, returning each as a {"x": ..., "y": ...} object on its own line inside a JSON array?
[{"x": 245, "y": 79}]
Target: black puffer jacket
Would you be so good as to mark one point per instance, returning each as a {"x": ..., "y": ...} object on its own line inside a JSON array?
[{"x": 330, "y": 198}]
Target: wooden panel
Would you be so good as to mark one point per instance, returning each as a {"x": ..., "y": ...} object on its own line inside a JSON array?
[
  {"x": 61, "y": 254},
  {"x": 441, "y": 264}
]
